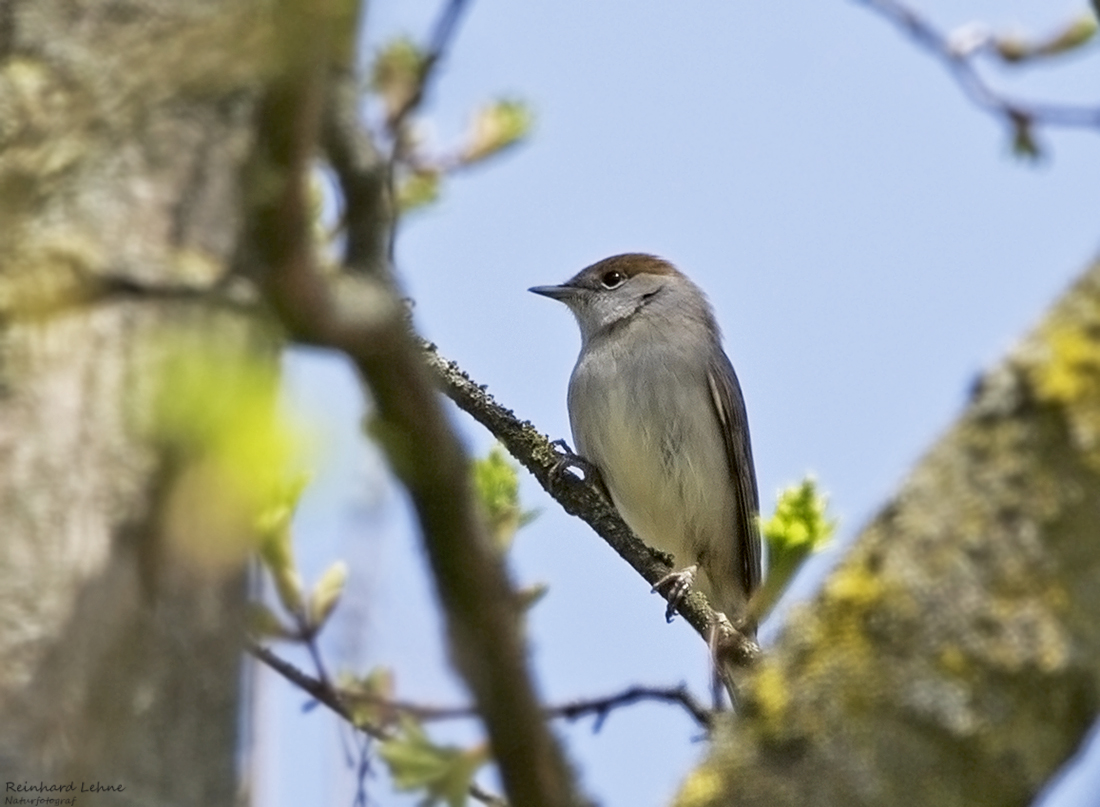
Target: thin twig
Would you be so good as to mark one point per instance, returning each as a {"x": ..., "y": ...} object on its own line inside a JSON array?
[
  {"x": 335, "y": 700},
  {"x": 602, "y": 707},
  {"x": 441, "y": 39},
  {"x": 1016, "y": 113},
  {"x": 340, "y": 701},
  {"x": 319, "y": 690}
]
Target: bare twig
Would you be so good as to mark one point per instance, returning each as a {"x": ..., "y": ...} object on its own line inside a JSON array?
[
  {"x": 318, "y": 689},
  {"x": 441, "y": 39},
  {"x": 1017, "y": 114},
  {"x": 602, "y": 707},
  {"x": 485, "y": 797},
  {"x": 342, "y": 701},
  {"x": 325, "y": 693}
]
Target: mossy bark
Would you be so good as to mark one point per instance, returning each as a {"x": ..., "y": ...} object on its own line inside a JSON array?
[{"x": 953, "y": 658}]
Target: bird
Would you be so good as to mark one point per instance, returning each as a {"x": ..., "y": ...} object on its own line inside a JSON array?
[{"x": 656, "y": 409}]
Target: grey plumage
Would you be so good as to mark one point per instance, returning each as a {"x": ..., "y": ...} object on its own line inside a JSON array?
[{"x": 656, "y": 406}]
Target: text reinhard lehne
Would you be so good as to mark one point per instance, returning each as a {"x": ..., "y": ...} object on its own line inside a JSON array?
[
  {"x": 48, "y": 801},
  {"x": 42, "y": 787}
]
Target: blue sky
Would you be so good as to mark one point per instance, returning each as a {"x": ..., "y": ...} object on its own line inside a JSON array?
[{"x": 868, "y": 243}]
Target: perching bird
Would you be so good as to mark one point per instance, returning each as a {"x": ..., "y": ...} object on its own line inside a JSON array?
[{"x": 656, "y": 408}]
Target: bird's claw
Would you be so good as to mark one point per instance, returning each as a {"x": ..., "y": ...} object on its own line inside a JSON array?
[
  {"x": 679, "y": 585},
  {"x": 567, "y": 458}
]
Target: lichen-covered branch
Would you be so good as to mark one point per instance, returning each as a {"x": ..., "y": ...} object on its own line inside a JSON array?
[{"x": 954, "y": 656}]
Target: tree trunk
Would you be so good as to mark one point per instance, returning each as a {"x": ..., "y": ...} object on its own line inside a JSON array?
[{"x": 123, "y": 128}]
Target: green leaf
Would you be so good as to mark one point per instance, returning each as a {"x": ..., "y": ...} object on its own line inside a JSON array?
[
  {"x": 443, "y": 773},
  {"x": 1074, "y": 35},
  {"x": 418, "y": 189},
  {"x": 368, "y": 698},
  {"x": 276, "y": 548},
  {"x": 799, "y": 527},
  {"x": 288, "y": 585},
  {"x": 236, "y": 449},
  {"x": 326, "y": 594},
  {"x": 495, "y": 127},
  {"x": 396, "y": 73},
  {"x": 496, "y": 485},
  {"x": 263, "y": 624}
]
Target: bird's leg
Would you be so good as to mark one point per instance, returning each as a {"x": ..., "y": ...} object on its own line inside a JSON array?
[
  {"x": 733, "y": 649},
  {"x": 679, "y": 585},
  {"x": 720, "y": 674},
  {"x": 568, "y": 458}
]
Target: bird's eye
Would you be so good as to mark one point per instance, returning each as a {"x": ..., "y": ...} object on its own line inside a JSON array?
[{"x": 612, "y": 279}]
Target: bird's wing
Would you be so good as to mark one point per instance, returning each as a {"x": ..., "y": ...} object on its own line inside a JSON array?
[{"x": 729, "y": 406}]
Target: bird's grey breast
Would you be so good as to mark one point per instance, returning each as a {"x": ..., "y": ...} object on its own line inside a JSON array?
[{"x": 646, "y": 420}]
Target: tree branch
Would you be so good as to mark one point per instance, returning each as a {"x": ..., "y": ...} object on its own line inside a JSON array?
[
  {"x": 340, "y": 701},
  {"x": 602, "y": 707},
  {"x": 324, "y": 693},
  {"x": 441, "y": 39},
  {"x": 1018, "y": 115},
  {"x": 319, "y": 690},
  {"x": 578, "y": 498},
  {"x": 410, "y": 425}
]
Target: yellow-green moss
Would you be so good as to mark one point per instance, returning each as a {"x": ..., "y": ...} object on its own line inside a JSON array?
[
  {"x": 704, "y": 786},
  {"x": 954, "y": 661},
  {"x": 1068, "y": 374},
  {"x": 771, "y": 695}
]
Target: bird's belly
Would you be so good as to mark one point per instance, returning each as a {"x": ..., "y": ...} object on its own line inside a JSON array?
[{"x": 666, "y": 470}]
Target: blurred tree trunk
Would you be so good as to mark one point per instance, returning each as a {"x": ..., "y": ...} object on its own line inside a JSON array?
[
  {"x": 123, "y": 126},
  {"x": 953, "y": 658}
]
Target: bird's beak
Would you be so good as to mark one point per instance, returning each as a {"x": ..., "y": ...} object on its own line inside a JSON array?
[{"x": 561, "y": 293}]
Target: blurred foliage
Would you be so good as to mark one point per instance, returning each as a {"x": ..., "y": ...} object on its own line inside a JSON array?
[
  {"x": 369, "y": 697},
  {"x": 396, "y": 76},
  {"x": 232, "y": 447},
  {"x": 277, "y": 555},
  {"x": 529, "y": 595},
  {"x": 262, "y": 623},
  {"x": 495, "y": 127},
  {"x": 496, "y": 487},
  {"x": 326, "y": 594},
  {"x": 1077, "y": 33},
  {"x": 396, "y": 73},
  {"x": 799, "y": 527},
  {"x": 417, "y": 189},
  {"x": 443, "y": 773},
  {"x": 276, "y": 549}
]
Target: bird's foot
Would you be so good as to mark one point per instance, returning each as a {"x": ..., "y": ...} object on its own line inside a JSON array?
[
  {"x": 679, "y": 585},
  {"x": 567, "y": 458}
]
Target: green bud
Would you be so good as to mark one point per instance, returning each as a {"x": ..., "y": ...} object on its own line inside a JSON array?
[
  {"x": 326, "y": 594},
  {"x": 496, "y": 127}
]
